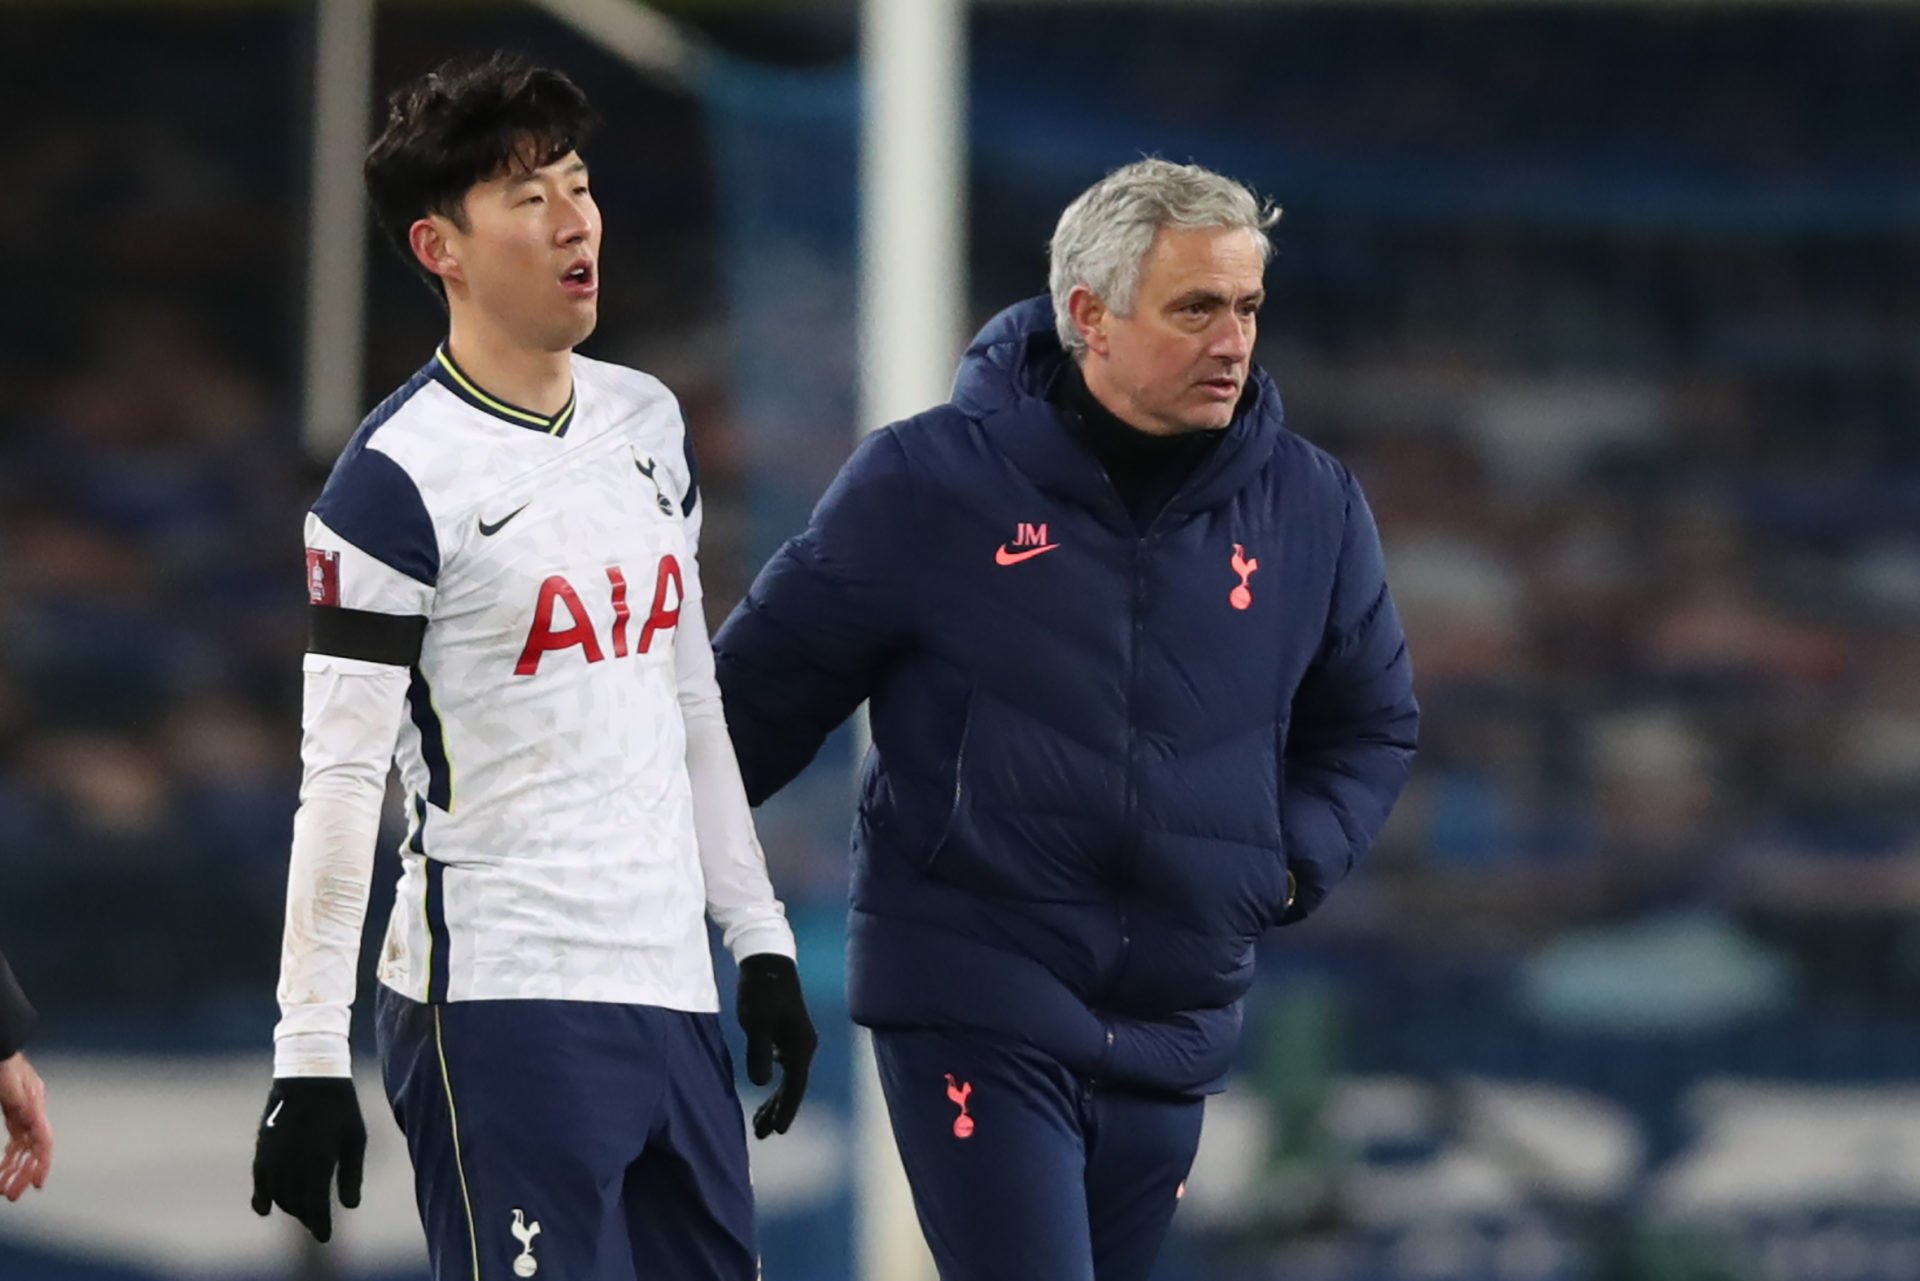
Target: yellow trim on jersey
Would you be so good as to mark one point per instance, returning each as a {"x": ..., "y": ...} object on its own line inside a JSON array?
[
  {"x": 553, "y": 426},
  {"x": 453, "y": 1118}
]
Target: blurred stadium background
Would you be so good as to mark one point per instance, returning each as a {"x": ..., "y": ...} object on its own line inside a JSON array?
[{"x": 1614, "y": 307}]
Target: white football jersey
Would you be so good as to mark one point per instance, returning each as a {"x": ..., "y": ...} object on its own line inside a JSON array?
[{"x": 556, "y": 846}]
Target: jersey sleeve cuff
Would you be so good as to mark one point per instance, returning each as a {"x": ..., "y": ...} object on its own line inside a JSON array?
[
  {"x": 775, "y": 937},
  {"x": 312, "y": 1054}
]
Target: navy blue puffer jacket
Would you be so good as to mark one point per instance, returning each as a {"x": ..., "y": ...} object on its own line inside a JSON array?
[{"x": 1096, "y": 753}]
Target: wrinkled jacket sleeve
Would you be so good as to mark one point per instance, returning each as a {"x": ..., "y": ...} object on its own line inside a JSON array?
[
  {"x": 16, "y": 1016},
  {"x": 1354, "y": 724},
  {"x": 820, "y": 624}
]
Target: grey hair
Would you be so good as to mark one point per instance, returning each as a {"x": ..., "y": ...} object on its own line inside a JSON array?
[{"x": 1104, "y": 236}]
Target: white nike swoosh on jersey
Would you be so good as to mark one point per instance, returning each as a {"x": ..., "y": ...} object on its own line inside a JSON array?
[{"x": 275, "y": 1114}]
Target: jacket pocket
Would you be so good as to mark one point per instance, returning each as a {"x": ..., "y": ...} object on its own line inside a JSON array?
[{"x": 958, "y": 795}]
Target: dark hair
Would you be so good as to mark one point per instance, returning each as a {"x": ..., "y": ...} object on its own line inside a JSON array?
[{"x": 460, "y": 124}]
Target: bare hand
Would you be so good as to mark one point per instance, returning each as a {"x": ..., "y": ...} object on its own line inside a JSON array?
[{"x": 29, "y": 1155}]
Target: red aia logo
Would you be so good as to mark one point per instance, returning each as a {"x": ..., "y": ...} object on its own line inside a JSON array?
[{"x": 557, "y": 594}]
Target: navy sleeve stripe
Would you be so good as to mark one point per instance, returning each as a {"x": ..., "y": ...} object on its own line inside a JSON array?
[
  {"x": 372, "y": 503},
  {"x": 392, "y": 639},
  {"x": 439, "y": 965},
  {"x": 433, "y": 741},
  {"x": 693, "y": 473}
]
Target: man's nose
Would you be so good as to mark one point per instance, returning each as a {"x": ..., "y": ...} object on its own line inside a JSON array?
[
  {"x": 574, "y": 225},
  {"x": 1234, "y": 340}
]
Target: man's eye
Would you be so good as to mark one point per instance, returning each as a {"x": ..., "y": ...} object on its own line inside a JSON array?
[{"x": 534, "y": 200}]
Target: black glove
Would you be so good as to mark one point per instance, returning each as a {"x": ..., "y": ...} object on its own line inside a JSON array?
[
  {"x": 773, "y": 1014},
  {"x": 311, "y": 1125}
]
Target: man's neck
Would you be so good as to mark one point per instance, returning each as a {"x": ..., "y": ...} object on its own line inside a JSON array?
[
  {"x": 540, "y": 381},
  {"x": 1072, "y": 392},
  {"x": 1094, "y": 373},
  {"x": 1146, "y": 470}
]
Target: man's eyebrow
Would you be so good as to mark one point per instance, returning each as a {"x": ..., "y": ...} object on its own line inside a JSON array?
[
  {"x": 523, "y": 177},
  {"x": 1216, "y": 298}
]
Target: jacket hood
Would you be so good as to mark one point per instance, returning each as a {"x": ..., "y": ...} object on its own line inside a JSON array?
[{"x": 1016, "y": 353}]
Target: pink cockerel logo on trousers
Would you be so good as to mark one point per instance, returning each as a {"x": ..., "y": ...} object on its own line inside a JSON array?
[
  {"x": 1241, "y": 597},
  {"x": 962, "y": 1124}
]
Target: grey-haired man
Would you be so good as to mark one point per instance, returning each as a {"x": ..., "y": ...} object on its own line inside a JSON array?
[{"x": 1138, "y": 693}]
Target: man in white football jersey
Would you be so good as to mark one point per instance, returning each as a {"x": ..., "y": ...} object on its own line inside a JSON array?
[{"x": 505, "y": 601}]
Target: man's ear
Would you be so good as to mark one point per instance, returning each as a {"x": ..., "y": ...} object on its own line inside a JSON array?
[
  {"x": 432, "y": 240},
  {"x": 1090, "y": 316}
]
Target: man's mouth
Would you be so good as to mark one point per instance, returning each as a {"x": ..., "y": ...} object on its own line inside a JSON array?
[{"x": 580, "y": 279}]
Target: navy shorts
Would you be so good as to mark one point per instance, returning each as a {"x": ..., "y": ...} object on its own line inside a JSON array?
[
  {"x": 572, "y": 1139},
  {"x": 1022, "y": 1171}
]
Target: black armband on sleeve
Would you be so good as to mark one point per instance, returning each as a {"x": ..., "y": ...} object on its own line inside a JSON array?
[{"x": 393, "y": 639}]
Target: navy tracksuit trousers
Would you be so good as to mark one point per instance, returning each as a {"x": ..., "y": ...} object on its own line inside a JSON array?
[{"x": 1022, "y": 1171}]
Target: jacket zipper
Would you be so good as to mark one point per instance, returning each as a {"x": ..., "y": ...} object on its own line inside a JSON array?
[
  {"x": 1139, "y": 624},
  {"x": 1137, "y": 605}
]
